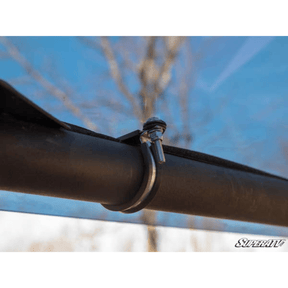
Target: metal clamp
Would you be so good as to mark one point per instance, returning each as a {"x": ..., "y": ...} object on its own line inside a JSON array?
[{"x": 150, "y": 140}]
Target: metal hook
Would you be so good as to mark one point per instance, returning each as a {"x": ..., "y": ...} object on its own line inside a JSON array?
[
  {"x": 152, "y": 134},
  {"x": 146, "y": 186}
]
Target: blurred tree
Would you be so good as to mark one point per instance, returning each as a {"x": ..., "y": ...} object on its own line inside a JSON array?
[
  {"x": 146, "y": 76},
  {"x": 152, "y": 76},
  {"x": 152, "y": 60},
  {"x": 153, "y": 67}
]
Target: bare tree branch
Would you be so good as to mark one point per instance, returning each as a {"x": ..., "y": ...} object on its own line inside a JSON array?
[
  {"x": 4, "y": 55},
  {"x": 148, "y": 72},
  {"x": 186, "y": 83},
  {"x": 22, "y": 80},
  {"x": 155, "y": 79},
  {"x": 115, "y": 106},
  {"x": 47, "y": 85},
  {"x": 91, "y": 43},
  {"x": 116, "y": 74},
  {"x": 149, "y": 218},
  {"x": 172, "y": 44},
  {"x": 123, "y": 47}
]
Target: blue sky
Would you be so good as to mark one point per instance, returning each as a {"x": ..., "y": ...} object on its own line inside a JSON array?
[
  {"x": 255, "y": 75},
  {"x": 249, "y": 74}
]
